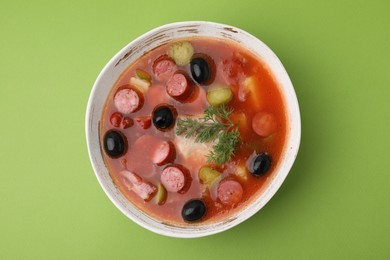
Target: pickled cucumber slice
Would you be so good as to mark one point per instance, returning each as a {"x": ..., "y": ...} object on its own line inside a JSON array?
[
  {"x": 141, "y": 74},
  {"x": 181, "y": 53},
  {"x": 219, "y": 94},
  {"x": 161, "y": 195},
  {"x": 208, "y": 175}
]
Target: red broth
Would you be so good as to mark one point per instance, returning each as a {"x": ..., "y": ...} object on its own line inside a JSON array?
[{"x": 235, "y": 67}]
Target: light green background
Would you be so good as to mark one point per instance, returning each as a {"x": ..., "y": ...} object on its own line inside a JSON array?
[{"x": 335, "y": 204}]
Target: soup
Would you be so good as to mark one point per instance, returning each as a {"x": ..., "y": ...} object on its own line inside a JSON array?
[{"x": 192, "y": 130}]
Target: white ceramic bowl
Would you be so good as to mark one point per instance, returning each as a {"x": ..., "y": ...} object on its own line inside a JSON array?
[{"x": 131, "y": 53}]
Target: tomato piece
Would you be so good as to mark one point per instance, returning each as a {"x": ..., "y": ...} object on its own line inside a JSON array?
[
  {"x": 116, "y": 119},
  {"x": 127, "y": 122},
  {"x": 144, "y": 121}
]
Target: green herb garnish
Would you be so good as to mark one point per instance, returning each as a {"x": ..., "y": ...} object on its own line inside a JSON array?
[{"x": 215, "y": 124}]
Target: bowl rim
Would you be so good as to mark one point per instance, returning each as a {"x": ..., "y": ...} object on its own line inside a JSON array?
[{"x": 292, "y": 144}]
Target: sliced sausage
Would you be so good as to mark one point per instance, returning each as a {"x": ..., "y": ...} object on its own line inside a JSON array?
[
  {"x": 164, "y": 153},
  {"x": 178, "y": 86},
  {"x": 140, "y": 156},
  {"x": 230, "y": 192},
  {"x": 142, "y": 188},
  {"x": 175, "y": 179},
  {"x": 157, "y": 95},
  {"x": 163, "y": 68},
  {"x": 127, "y": 100},
  {"x": 197, "y": 102},
  {"x": 264, "y": 124}
]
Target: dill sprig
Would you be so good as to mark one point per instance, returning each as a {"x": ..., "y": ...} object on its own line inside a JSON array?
[{"x": 215, "y": 125}]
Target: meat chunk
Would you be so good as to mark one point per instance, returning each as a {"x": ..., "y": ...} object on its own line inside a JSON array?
[
  {"x": 193, "y": 154},
  {"x": 142, "y": 188}
]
